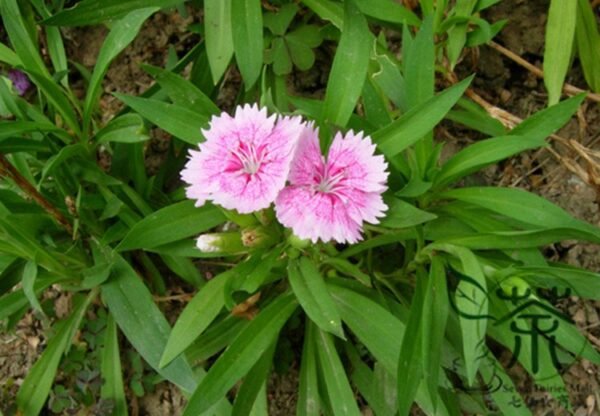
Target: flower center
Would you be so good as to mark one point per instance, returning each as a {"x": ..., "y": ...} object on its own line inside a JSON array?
[
  {"x": 330, "y": 183},
  {"x": 250, "y": 157}
]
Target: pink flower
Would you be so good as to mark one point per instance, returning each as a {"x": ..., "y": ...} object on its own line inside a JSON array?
[
  {"x": 245, "y": 160},
  {"x": 330, "y": 198}
]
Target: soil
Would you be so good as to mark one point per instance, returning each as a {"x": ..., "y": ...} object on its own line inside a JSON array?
[{"x": 500, "y": 81}]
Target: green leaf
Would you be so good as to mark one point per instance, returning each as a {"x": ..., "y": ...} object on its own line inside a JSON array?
[
  {"x": 580, "y": 282},
  {"x": 182, "y": 91},
  {"x": 35, "y": 388},
  {"x": 349, "y": 68},
  {"x": 178, "y": 120},
  {"x": 130, "y": 302},
  {"x": 435, "y": 314},
  {"x": 512, "y": 240},
  {"x": 401, "y": 214},
  {"x": 247, "y": 27},
  {"x": 253, "y": 383},
  {"x": 417, "y": 122},
  {"x": 128, "y": 128},
  {"x": 310, "y": 290},
  {"x": 369, "y": 321},
  {"x": 66, "y": 153},
  {"x": 242, "y": 354},
  {"x": 418, "y": 64},
  {"x": 57, "y": 97},
  {"x": 218, "y": 36},
  {"x": 522, "y": 206},
  {"x": 21, "y": 39},
  {"x": 28, "y": 281},
  {"x": 216, "y": 338},
  {"x": 560, "y": 31},
  {"x": 410, "y": 363},
  {"x": 327, "y": 10},
  {"x": 543, "y": 123},
  {"x": 341, "y": 396},
  {"x": 457, "y": 34},
  {"x": 278, "y": 22},
  {"x": 91, "y": 12},
  {"x": 483, "y": 153},
  {"x": 121, "y": 34},
  {"x": 388, "y": 11},
  {"x": 472, "y": 301},
  {"x": 110, "y": 369},
  {"x": 345, "y": 267},
  {"x": 588, "y": 43},
  {"x": 308, "y": 391},
  {"x": 8, "y": 56},
  {"x": 196, "y": 317},
  {"x": 172, "y": 223}
]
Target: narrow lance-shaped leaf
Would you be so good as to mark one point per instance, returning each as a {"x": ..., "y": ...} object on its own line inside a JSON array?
[
  {"x": 35, "y": 388},
  {"x": 523, "y": 206},
  {"x": 410, "y": 365},
  {"x": 182, "y": 91},
  {"x": 196, "y": 317},
  {"x": 130, "y": 302},
  {"x": 247, "y": 26},
  {"x": 172, "y": 223},
  {"x": 414, "y": 124},
  {"x": 588, "y": 43},
  {"x": 341, "y": 397},
  {"x": 112, "y": 388},
  {"x": 308, "y": 391},
  {"x": 178, "y": 120},
  {"x": 560, "y": 31},
  {"x": 349, "y": 68},
  {"x": 20, "y": 37},
  {"x": 242, "y": 354},
  {"x": 91, "y": 12},
  {"x": 121, "y": 34},
  {"x": 218, "y": 34},
  {"x": 310, "y": 289}
]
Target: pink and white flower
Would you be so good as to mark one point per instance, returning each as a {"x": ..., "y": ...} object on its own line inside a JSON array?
[
  {"x": 245, "y": 160},
  {"x": 330, "y": 198}
]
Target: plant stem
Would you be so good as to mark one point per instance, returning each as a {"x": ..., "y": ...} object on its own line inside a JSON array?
[{"x": 8, "y": 170}]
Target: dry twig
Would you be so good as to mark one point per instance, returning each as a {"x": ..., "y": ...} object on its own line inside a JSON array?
[{"x": 567, "y": 88}]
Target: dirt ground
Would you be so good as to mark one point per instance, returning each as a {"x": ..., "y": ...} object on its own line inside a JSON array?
[{"x": 500, "y": 81}]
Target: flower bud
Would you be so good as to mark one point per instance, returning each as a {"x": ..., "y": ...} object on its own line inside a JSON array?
[
  {"x": 259, "y": 237},
  {"x": 221, "y": 243}
]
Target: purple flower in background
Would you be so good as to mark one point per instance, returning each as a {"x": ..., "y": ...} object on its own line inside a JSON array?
[{"x": 20, "y": 81}]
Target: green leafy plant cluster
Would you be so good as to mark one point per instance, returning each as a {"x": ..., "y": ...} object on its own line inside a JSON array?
[{"x": 378, "y": 319}]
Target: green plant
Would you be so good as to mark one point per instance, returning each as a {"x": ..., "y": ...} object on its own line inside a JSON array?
[{"x": 387, "y": 319}]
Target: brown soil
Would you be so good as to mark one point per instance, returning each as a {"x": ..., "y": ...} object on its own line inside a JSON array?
[{"x": 499, "y": 81}]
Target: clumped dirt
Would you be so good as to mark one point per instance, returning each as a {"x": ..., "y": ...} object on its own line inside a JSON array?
[{"x": 500, "y": 81}]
